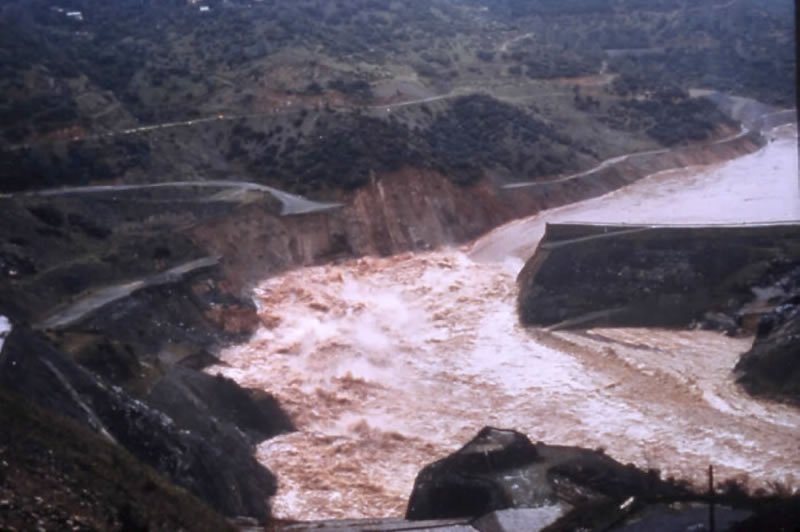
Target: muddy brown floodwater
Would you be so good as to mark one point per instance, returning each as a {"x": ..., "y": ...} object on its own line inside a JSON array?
[{"x": 387, "y": 364}]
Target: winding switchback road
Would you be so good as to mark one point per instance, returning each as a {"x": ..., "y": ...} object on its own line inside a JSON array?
[
  {"x": 292, "y": 204},
  {"x": 224, "y": 117},
  {"x": 97, "y": 299},
  {"x": 611, "y": 162}
]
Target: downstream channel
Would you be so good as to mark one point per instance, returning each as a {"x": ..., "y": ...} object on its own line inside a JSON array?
[{"x": 387, "y": 364}]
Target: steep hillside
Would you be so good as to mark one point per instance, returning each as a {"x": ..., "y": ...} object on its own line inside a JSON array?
[{"x": 317, "y": 96}]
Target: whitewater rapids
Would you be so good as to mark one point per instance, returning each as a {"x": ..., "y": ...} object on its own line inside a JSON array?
[{"x": 386, "y": 364}]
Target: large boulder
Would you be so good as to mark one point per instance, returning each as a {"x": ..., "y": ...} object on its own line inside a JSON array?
[
  {"x": 471, "y": 482},
  {"x": 501, "y": 469}
]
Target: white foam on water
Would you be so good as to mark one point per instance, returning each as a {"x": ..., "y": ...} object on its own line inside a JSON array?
[{"x": 387, "y": 364}]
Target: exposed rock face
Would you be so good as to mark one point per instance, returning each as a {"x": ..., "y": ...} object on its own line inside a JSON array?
[
  {"x": 145, "y": 334},
  {"x": 208, "y": 455},
  {"x": 772, "y": 367},
  {"x": 649, "y": 275},
  {"x": 130, "y": 367},
  {"x": 204, "y": 404}
]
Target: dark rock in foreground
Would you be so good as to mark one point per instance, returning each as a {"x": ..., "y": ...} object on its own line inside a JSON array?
[
  {"x": 470, "y": 482},
  {"x": 632, "y": 275},
  {"x": 209, "y": 456},
  {"x": 502, "y": 469},
  {"x": 378, "y": 525},
  {"x": 502, "y": 482}
]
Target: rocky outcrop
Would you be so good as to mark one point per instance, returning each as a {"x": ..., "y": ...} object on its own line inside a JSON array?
[
  {"x": 619, "y": 275},
  {"x": 205, "y": 449},
  {"x": 205, "y": 404},
  {"x": 158, "y": 327},
  {"x": 502, "y": 482},
  {"x": 58, "y": 475}
]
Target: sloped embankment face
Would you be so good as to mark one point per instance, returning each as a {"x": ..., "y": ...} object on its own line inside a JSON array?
[{"x": 621, "y": 275}]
